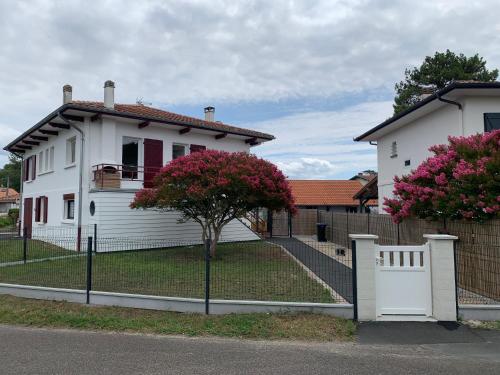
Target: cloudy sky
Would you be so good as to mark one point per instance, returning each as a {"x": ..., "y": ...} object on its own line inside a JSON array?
[{"x": 313, "y": 73}]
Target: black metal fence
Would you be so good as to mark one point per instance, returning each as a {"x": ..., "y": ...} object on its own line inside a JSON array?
[{"x": 278, "y": 269}]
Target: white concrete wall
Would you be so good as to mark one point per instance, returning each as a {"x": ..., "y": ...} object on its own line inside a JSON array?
[{"x": 414, "y": 139}]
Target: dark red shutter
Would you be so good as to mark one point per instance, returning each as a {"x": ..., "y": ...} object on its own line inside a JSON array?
[
  {"x": 37, "y": 209},
  {"x": 197, "y": 148},
  {"x": 25, "y": 170},
  {"x": 45, "y": 208},
  {"x": 33, "y": 169},
  {"x": 28, "y": 215},
  {"x": 153, "y": 160}
]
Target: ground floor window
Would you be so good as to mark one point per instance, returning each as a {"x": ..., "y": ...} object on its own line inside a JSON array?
[{"x": 69, "y": 206}]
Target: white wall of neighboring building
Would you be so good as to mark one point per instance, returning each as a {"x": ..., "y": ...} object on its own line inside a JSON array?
[{"x": 414, "y": 139}]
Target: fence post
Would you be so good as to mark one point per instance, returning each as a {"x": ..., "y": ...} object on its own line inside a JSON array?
[
  {"x": 347, "y": 226},
  {"x": 270, "y": 222},
  {"x": 399, "y": 242},
  {"x": 89, "y": 268},
  {"x": 207, "y": 276},
  {"x": 95, "y": 238},
  {"x": 25, "y": 244},
  {"x": 354, "y": 281}
]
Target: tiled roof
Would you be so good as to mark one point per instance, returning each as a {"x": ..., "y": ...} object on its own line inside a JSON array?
[
  {"x": 325, "y": 192},
  {"x": 12, "y": 194},
  {"x": 162, "y": 115}
]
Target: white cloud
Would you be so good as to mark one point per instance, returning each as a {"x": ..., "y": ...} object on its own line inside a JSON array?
[
  {"x": 197, "y": 52},
  {"x": 320, "y": 144}
]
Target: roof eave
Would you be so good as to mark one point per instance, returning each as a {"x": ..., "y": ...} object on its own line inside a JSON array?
[
  {"x": 443, "y": 91},
  {"x": 260, "y": 136}
]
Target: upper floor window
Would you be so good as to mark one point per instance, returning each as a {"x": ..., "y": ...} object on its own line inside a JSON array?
[
  {"x": 130, "y": 157},
  {"x": 29, "y": 168},
  {"x": 178, "y": 151},
  {"x": 71, "y": 151},
  {"x": 394, "y": 149},
  {"x": 491, "y": 121},
  {"x": 46, "y": 160}
]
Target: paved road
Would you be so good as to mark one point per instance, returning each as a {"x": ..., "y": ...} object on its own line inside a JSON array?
[
  {"x": 40, "y": 351},
  {"x": 333, "y": 273}
]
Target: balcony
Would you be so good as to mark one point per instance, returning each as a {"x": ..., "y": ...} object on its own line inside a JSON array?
[{"x": 118, "y": 176}]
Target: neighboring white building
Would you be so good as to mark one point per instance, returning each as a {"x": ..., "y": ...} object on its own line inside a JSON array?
[
  {"x": 460, "y": 109},
  {"x": 123, "y": 148}
]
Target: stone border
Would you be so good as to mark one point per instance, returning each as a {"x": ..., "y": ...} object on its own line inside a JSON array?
[
  {"x": 191, "y": 305},
  {"x": 479, "y": 312}
]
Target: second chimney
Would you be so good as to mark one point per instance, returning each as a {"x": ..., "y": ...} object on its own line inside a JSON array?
[
  {"x": 210, "y": 114},
  {"x": 67, "y": 94},
  {"x": 109, "y": 94}
]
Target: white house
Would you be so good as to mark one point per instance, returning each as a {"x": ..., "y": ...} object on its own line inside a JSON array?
[
  {"x": 84, "y": 162},
  {"x": 459, "y": 109}
]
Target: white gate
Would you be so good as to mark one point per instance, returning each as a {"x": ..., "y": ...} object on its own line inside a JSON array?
[{"x": 403, "y": 282}]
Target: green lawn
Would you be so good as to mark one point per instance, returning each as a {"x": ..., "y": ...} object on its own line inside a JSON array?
[
  {"x": 37, "y": 313},
  {"x": 247, "y": 270},
  {"x": 11, "y": 250}
]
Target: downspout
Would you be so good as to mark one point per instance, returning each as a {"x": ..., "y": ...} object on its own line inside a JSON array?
[
  {"x": 459, "y": 107},
  {"x": 21, "y": 185},
  {"x": 80, "y": 176}
]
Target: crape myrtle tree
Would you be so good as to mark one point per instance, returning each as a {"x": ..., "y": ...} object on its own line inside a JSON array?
[
  {"x": 460, "y": 181},
  {"x": 215, "y": 187}
]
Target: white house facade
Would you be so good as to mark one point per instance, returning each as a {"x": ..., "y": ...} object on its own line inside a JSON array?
[
  {"x": 96, "y": 155},
  {"x": 460, "y": 109}
]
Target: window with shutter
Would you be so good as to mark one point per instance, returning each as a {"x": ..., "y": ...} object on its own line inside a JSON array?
[
  {"x": 45, "y": 209},
  {"x": 33, "y": 167},
  {"x": 37, "y": 209}
]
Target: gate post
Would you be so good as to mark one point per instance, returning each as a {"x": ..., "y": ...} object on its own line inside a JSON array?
[
  {"x": 365, "y": 293},
  {"x": 444, "y": 293}
]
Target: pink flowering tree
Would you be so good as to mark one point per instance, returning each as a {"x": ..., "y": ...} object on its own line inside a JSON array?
[
  {"x": 215, "y": 187},
  {"x": 460, "y": 181}
]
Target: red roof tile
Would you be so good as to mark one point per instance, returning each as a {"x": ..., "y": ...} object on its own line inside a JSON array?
[
  {"x": 325, "y": 192},
  {"x": 162, "y": 115}
]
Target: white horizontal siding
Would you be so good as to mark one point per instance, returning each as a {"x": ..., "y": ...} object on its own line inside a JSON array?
[{"x": 131, "y": 229}]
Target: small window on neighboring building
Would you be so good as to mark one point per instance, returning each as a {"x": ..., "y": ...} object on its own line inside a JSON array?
[
  {"x": 71, "y": 151},
  {"x": 491, "y": 121},
  {"x": 69, "y": 206},
  {"x": 394, "y": 149},
  {"x": 407, "y": 162},
  {"x": 178, "y": 151}
]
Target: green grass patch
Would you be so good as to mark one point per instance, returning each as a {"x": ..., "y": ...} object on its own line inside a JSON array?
[
  {"x": 246, "y": 270},
  {"x": 11, "y": 250},
  {"x": 27, "y": 312}
]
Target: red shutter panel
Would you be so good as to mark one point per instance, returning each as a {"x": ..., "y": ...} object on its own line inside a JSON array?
[
  {"x": 37, "y": 209},
  {"x": 33, "y": 176},
  {"x": 25, "y": 170},
  {"x": 45, "y": 208},
  {"x": 153, "y": 160},
  {"x": 197, "y": 148}
]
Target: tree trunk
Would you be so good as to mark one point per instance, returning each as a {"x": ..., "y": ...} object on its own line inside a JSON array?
[{"x": 213, "y": 243}]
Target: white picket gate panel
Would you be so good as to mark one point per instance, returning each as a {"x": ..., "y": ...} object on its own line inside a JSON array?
[{"x": 403, "y": 281}]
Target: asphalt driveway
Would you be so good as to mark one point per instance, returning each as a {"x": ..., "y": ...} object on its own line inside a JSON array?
[{"x": 43, "y": 351}]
